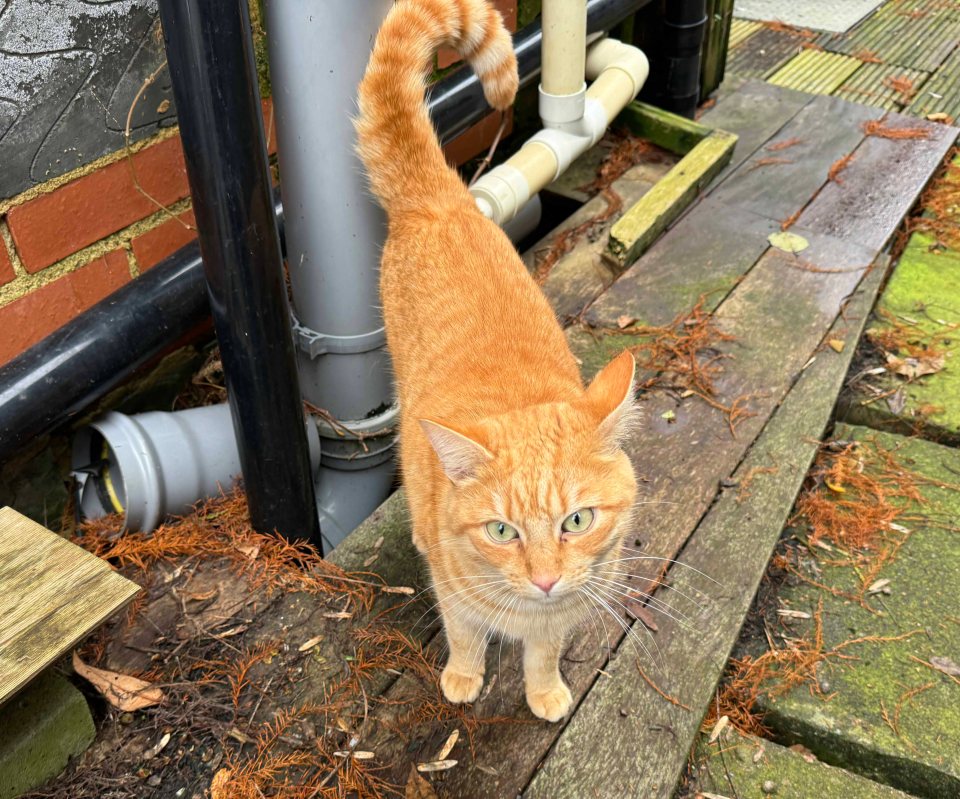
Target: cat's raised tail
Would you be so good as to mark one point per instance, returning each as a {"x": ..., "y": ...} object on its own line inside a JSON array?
[{"x": 397, "y": 141}]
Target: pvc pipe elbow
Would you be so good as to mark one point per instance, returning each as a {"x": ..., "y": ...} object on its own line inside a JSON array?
[{"x": 612, "y": 54}]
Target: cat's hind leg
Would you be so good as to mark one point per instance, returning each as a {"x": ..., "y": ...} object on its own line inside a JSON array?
[
  {"x": 462, "y": 677},
  {"x": 547, "y": 693}
]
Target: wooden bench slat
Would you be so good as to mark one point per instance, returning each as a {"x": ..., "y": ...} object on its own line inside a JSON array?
[{"x": 52, "y": 594}]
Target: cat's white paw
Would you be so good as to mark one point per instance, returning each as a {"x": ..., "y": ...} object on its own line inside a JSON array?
[
  {"x": 552, "y": 704},
  {"x": 460, "y": 687}
]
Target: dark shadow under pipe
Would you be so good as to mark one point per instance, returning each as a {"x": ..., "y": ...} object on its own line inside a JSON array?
[
  {"x": 60, "y": 376},
  {"x": 213, "y": 71}
]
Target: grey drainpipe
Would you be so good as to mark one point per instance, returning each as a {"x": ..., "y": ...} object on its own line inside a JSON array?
[{"x": 318, "y": 52}]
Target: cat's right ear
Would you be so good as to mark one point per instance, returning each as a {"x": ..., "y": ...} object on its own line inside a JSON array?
[
  {"x": 459, "y": 455},
  {"x": 611, "y": 398}
]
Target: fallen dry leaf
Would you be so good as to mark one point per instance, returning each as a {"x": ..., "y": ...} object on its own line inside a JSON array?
[
  {"x": 625, "y": 321},
  {"x": 913, "y": 368},
  {"x": 371, "y": 560},
  {"x": 156, "y": 749},
  {"x": 339, "y": 614},
  {"x": 879, "y": 586},
  {"x": 249, "y": 550},
  {"x": 418, "y": 787},
  {"x": 835, "y": 487},
  {"x": 359, "y": 754},
  {"x": 897, "y": 402},
  {"x": 836, "y": 344},
  {"x": 718, "y": 728},
  {"x": 307, "y": 645},
  {"x": 397, "y": 589},
  {"x": 120, "y": 690},
  {"x": 805, "y": 753},
  {"x": 758, "y": 755},
  {"x": 436, "y": 765},
  {"x": 448, "y": 745},
  {"x": 940, "y": 116},
  {"x": 793, "y": 614},
  {"x": 945, "y": 665},
  {"x": 641, "y": 614},
  {"x": 788, "y": 242}
]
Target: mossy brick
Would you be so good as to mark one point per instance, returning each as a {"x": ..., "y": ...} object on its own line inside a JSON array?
[
  {"x": 849, "y": 729},
  {"x": 44, "y": 726},
  {"x": 741, "y": 765},
  {"x": 925, "y": 290}
]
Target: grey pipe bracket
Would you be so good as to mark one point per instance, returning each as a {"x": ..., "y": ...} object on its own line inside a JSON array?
[
  {"x": 315, "y": 344},
  {"x": 359, "y": 443}
]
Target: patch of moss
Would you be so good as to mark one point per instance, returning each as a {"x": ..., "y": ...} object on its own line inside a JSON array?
[
  {"x": 924, "y": 292},
  {"x": 870, "y": 724},
  {"x": 755, "y": 768}
]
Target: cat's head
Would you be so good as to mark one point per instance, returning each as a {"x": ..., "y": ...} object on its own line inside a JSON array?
[{"x": 540, "y": 495}]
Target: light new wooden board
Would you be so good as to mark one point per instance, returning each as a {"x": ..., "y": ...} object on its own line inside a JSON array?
[{"x": 52, "y": 594}]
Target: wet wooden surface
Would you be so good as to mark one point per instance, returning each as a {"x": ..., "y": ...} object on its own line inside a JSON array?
[{"x": 778, "y": 308}]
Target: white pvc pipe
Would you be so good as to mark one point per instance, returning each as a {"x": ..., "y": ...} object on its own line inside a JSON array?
[
  {"x": 619, "y": 72},
  {"x": 563, "y": 53}
]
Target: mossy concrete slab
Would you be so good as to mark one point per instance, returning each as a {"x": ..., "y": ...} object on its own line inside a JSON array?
[
  {"x": 922, "y": 755},
  {"x": 924, "y": 295},
  {"x": 43, "y": 726},
  {"x": 741, "y": 765}
]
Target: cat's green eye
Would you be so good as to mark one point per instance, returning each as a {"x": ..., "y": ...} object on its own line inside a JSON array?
[
  {"x": 501, "y": 532},
  {"x": 578, "y": 522}
]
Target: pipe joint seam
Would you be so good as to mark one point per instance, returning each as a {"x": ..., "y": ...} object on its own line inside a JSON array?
[
  {"x": 353, "y": 445},
  {"x": 560, "y": 109},
  {"x": 504, "y": 190},
  {"x": 613, "y": 54},
  {"x": 565, "y": 144},
  {"x": 315, "y": 344}
]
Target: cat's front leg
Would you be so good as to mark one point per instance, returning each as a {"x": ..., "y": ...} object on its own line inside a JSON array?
[
  {"x": 547, "y": 693},
  {"x": 462, "y": 677}
]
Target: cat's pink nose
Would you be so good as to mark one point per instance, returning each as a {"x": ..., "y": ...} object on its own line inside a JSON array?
[{"x": 545, "y": 582}]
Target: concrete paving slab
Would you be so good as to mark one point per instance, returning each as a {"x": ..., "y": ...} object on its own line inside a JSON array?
[
  {"x": 741, "y": 765},
  {"x": 891, "y": 714},
  {"x": 827, "y": 15}
]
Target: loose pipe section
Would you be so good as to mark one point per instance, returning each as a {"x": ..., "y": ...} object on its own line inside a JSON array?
[{"x": 618, "y": 72}]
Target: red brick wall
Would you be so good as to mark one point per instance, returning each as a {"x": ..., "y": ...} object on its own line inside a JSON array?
[{"x": 67, "y": 244}]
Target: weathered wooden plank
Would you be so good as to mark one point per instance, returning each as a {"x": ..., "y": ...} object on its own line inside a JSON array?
[
  {"x": 727, "y": 243},
  {"x": 765, "y": 50},
  {"x": 775, "y": 333},
  {"x": 582, "y": 274},
  {"x": 52, "y": 594},
  {"x": 880, "y": 184},
  {"x": 778, "y": 182},
  {"x": 663, "y": 128},
  {"x": 639, "y": 227},
  {"x": 755, "y": 112},
  {"x": 637, "y": 742}
]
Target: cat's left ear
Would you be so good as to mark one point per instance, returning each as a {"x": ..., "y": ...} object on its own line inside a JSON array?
[
  {"x": 611, "y": 397},
  {"x": 460, "y": 456}
]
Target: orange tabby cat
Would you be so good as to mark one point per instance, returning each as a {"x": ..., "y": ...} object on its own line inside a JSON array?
[{"x": 516, "y": 482}]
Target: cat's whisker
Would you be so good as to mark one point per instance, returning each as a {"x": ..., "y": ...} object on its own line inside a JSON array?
[
  {"x": 470, "y": 588},
  {"x": 665, "y": 586},
  {"x": 664, "y": 560},
  {"x": 683, "y": 621},
  {"x": 629, "y": 633},
  {"x": 660, "y": 606},
  {"x": 602, "y": 639},
  {"x": 483, "y": 630},
  {"x": 611, "y": 596}
]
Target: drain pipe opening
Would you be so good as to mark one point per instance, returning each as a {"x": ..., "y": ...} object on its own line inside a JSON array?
[{"x": 149, "y": 466}]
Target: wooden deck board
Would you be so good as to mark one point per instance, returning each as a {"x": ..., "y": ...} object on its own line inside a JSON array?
[
  {"x": 779, "y": 182},
  {"x": 52, "y": 594},
  {"x": 880, "y": 184},
  {"x": 755, "y": 112},
  {"x": 638, "y": 742}
]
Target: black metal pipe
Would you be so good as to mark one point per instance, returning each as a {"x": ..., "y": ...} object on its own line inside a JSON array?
[
  {"x": 673, "y": 39},
  {"x": 53, "y": 381},
  {"x": 74, "y": 366},
  {"x": 213, "y": 72}
]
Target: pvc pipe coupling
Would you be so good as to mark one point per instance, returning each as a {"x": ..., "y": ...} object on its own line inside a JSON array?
[
  {"x": 153, "y": 465},
  {"x": 618, "y": 72}
]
